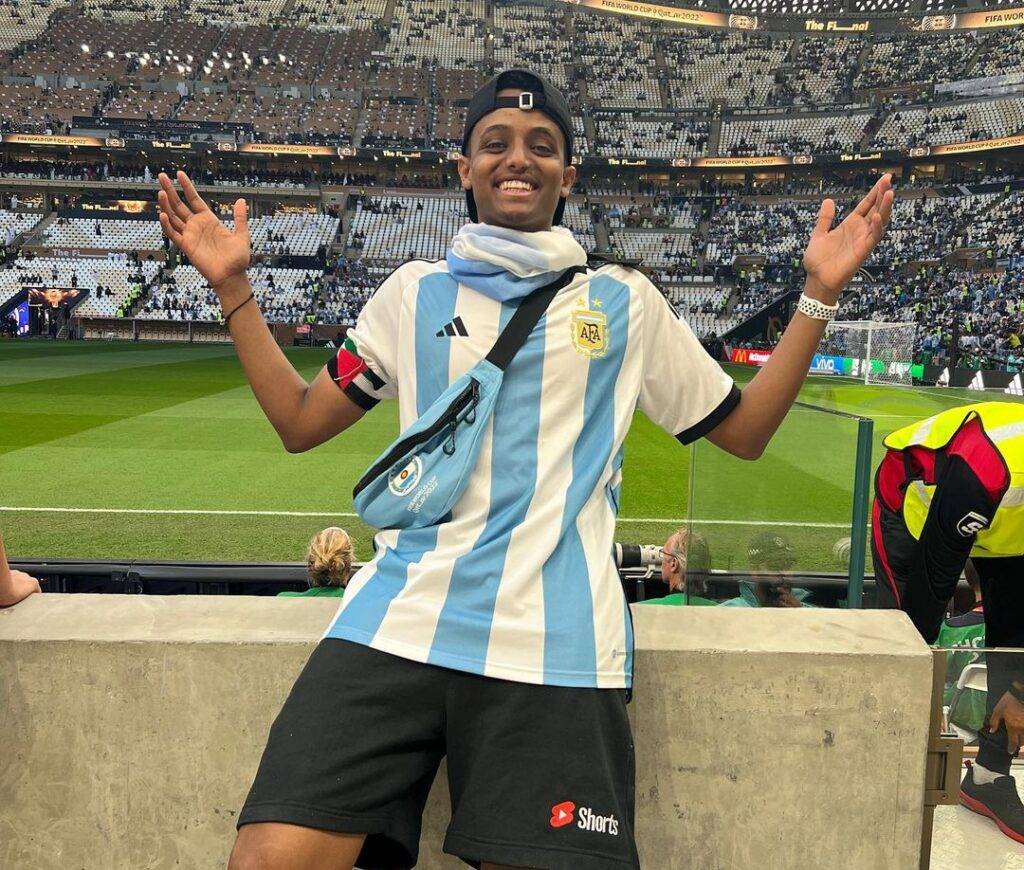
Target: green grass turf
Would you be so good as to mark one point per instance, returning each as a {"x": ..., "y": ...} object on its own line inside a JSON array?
[{"x": 175, "y": 427}]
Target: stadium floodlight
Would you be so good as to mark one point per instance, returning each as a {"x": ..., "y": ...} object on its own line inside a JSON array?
[{"x": 879, "y": 353}]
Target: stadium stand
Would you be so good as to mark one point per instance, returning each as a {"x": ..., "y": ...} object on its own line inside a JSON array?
[
  {"x": 959, "y": 122},
  {"x": 812, "y": 134},
  {"x": 109, "y": 235},
  {"x": 13, "y": 224},
  {"x": 371, "y": 74},
  {"x": 736, "y": 68},
  {"x": 424, "y": 33},
  {"x": 529, "y": 36},
  {"x": 665, "y": 136},
  {"x": 618, "y": 59},
  {"x": 21, "y": 21},
  {"x": 393, "y": 229}
]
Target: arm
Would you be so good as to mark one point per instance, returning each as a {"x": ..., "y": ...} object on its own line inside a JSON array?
[
  {"x": 303, "y": 415},
  {"x": 832, "y": 258},
  {"x": 14, "y": 585}
]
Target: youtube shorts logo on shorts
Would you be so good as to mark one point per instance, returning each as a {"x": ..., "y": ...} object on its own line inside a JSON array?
[{"x": 561, "y": 814}]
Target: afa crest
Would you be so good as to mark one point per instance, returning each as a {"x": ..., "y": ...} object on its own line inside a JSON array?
[{"x": 590, "y": 330}]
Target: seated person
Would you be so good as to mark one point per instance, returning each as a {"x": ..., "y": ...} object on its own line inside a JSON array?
[
  {"x": 772, "y": 555},
  {"x": 328, "y": 565},
  {"x": 685, "y": 564},
  {"x": 14, "y": 585},
  {"x": 965, "y": 632}
]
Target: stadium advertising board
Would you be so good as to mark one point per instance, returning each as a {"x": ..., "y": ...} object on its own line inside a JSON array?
[
  {"x": 61, "y": 141},
  {"x": 838, "y": 26},
  {"x": 695, "y": 17},
  {"x": 969, "y": 147},
  {"x": 974, "y": 20},
  {"x": 275, "y": 148},
  {"x": 749, "y": 356},
  {"x": 824, "y": 364}
]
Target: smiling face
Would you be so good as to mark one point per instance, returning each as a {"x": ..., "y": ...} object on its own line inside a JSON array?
[{"x": 516, "y": 168}]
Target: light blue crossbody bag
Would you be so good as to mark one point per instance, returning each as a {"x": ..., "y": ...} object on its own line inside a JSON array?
[{"x": 419, "y": 478}]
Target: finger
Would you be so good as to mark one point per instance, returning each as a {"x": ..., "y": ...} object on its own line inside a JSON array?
[
  {"x": 176, "y": 222},
  {"x": 241, "y": 215},
  {"x": 873, "y": 195},
  {"x": 886, "y": 210},
  {"x": 194, "y": 200},
  {"x": 169, "y": 231},
  {"x": 174, "y": 201},
  {"x": 995, "y": 720},
  {"x": 826, "y": 214}
]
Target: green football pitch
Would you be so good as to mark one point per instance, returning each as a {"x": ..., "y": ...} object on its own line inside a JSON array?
[{"x": 154, "y": 451}]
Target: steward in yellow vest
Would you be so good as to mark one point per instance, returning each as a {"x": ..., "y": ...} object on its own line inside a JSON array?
[{"x": 952, "y": 487}]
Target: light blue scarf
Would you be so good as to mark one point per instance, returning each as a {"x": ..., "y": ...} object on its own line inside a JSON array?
[{"x": 507, "y": 264}]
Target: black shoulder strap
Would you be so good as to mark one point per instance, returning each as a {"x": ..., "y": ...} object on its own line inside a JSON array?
[{"x": 530, "y": 310}]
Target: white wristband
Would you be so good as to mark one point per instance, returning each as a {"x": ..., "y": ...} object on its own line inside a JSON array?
[{"x": 815, "y": 309}]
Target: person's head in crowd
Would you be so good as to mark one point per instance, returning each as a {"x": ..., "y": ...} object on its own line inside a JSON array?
[
  {"x": 329, "y": 558},
  {"x": 685, "y": 562},
  {"x": 516, "y": 156},
  {"x": 772, "y": 554}
]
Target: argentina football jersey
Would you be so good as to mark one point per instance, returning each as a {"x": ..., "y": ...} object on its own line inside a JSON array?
[{"x": 518, "y": 583}]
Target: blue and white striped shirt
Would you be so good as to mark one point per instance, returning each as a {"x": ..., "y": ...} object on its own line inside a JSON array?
[{"x": 519, "y": 583}]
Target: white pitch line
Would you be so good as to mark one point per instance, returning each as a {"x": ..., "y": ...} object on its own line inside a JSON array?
[{"x": 221, "y": 513}]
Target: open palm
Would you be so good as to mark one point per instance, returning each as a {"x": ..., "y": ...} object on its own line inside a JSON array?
[
  {"x": 217, "y": 252},
  {"x": 833, "y": 257}
]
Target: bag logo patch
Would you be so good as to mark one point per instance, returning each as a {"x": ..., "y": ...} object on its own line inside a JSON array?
[
  {"x": 589, "y": 330},
  {"x": 971, "y": 524},
  {"x": 404, "y": 480}
]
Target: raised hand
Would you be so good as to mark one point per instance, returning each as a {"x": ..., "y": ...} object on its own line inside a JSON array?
[
  {"x": 217, "y": 252},
  {"x": 833, "y": 257}
]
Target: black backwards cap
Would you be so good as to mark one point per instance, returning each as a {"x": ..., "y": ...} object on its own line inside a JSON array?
[{"x": 538, "y": 94}]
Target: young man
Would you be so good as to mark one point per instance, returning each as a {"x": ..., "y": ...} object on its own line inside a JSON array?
[{"x": 498, "y": 637}]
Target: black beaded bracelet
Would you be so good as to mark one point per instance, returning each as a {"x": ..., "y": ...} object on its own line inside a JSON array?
[{"x": 249, "y": 298}]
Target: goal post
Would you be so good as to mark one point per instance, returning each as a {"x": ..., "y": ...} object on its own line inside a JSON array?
[{"x": 879, "y": 353}]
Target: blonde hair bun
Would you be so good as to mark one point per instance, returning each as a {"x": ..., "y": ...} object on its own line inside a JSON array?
[{"x": 329, "y": 559}]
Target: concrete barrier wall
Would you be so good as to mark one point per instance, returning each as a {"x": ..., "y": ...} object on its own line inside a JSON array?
[{"x": 131, "y": 727}]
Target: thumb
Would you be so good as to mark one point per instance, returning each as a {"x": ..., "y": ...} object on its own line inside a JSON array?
[
  {"x": 826, "y": 214},
  {"x": 241, "y": 215}
]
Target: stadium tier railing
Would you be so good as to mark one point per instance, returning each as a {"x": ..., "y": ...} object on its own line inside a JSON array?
[{"x": 791, "y": 527}]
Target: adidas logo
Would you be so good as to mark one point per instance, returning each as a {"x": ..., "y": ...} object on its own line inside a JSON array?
[
  {"x": 1015, "y": 388},
  {"x": 977, "y": 383},
  {"x": 453, "y": 328}
]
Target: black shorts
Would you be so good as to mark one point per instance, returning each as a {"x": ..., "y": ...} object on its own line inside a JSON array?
[{"x": 540, "y": 776}]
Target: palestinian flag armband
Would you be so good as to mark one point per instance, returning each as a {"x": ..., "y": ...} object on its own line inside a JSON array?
[{"x": 354, "y": 377}]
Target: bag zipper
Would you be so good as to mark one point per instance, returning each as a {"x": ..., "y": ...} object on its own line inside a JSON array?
[{"x": 469, "y": 397}]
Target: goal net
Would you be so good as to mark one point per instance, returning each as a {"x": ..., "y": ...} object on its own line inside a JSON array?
[{"x": 879, "y": 353}]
